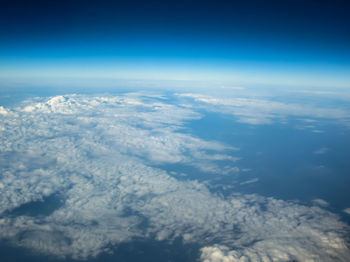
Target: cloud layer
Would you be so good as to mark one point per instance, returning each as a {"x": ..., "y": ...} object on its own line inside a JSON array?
[
  {"x": 263, "y": 111},
  {"x": 99, "y": 155}
]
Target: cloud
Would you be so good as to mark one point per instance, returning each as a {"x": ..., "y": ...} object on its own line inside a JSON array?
[
  {"x": 253, "y": 180},
  {"x": 307, "y": 120},
  {"x": 99, "y": 154},
  {"x": 262, "y": 111},
  {"x": 320, "y": 202},
  {"x": 318, "y": 131},
  {"x": 321, "y": 151},
  {"x": 347, "y": 211},
  {"x": 3, "y": 111},
  {"x": 218, "y": 254}
]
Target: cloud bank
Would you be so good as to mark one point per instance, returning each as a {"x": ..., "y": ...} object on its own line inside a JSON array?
[
  {"x": 98, "y": 154},
  {"x": 261, "y": 111}
]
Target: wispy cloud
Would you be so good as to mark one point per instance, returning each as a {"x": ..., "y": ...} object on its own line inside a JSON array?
[
  {"x": 250, "y": 181},
  {"x": 321, "y": 151}
]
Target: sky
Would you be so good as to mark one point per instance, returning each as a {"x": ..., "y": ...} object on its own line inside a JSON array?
[
  {"x": 240, "y": 173},
  {"x": 266, "y": 42}
]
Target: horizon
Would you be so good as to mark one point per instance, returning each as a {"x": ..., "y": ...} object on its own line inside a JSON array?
[{"x": 270, "y": 42}]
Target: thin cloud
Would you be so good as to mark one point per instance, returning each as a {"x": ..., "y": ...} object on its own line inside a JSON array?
[
  {"x": 253, "y": 180},
  {"x": 321, "y": 151}
]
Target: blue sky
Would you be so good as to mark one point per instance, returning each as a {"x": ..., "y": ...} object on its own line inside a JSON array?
[{"x": 267, "y": 42}]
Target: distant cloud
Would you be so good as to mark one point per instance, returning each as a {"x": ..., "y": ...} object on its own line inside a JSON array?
[
  {"x": 100, "y": 155},
  {"x": 254, "y": 121},
  {"x": 317, "y": 131},
  {"x": 308, "y": 120},
  {"x": 347, "y": 211},
  {"x": 320, "y": 202},
  {"x": 254, "y": 180},
  {"x": 262, "y": 111},
  {"x": 321, "y": 151}
]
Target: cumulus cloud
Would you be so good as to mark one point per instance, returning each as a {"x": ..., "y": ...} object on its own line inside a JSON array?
[{"x": 99, "y": 154}]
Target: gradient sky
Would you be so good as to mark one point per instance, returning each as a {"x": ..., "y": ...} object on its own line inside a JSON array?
[{"x": 280, "y": 42}]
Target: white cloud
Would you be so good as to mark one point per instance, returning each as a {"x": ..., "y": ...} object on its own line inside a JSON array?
[
  {"x": 250, "y": 181},
  {"x": 3, "y": 111},
  {"x": 260, "y": 111},
  {"x": 98, "y": 154},
  {"x": 320, "y": 202},
  {"x": 347, "y": 211},
  {"x": 218, "y": 254}
]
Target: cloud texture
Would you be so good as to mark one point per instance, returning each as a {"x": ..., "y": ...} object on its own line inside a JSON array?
[{"x": 99, "y": 154}]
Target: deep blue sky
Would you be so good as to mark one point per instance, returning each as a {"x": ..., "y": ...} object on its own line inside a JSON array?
[{"x": 303, "y": 42}]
